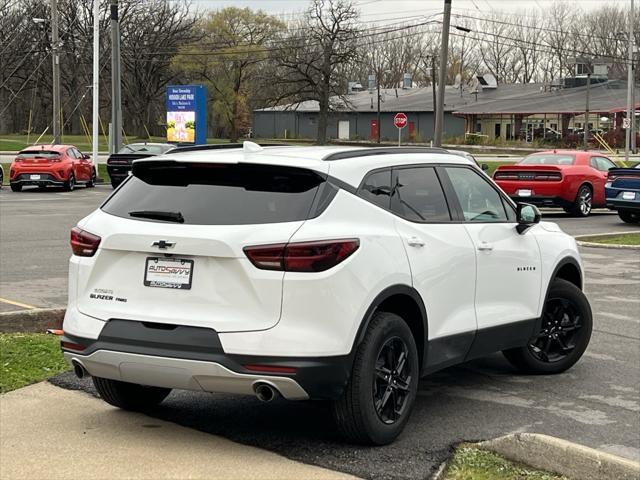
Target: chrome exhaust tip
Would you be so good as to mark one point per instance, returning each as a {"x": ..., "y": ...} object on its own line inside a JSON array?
[
  {"x": 265, "y": 392},
  {"x": 79, "y": 370}
]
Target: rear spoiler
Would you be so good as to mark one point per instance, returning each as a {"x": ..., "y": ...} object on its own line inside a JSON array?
[
  {"x": 624, "y": 172},
  {"x": 130, "y": 157}
]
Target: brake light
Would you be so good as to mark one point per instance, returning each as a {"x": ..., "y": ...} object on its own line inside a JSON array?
[
  {"x": 302, "y": 256},
  {"x": 84, "y": 244},
  {"x": 505, "y": 176},
  {"x": 17, "y": 160}
]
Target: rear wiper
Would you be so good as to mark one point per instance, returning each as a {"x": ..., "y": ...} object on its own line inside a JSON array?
[{"x": 156, "y": 215}]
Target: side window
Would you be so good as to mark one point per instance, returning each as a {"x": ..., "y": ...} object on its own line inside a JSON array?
[
  {"x": 376, "y": 188},
  {"x": 480, "y": 202},
  {"x": 71, "y": 153},
  {"x": 418, "y": 196},
  {"x": 77, "y": 152},
  {"x": 604, "y": 164}
]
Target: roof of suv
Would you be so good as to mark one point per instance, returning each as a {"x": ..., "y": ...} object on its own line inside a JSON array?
[{"x": 351, "y": 170}]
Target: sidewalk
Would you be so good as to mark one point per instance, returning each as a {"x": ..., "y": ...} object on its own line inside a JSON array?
[{"x": 50, "y": 433}]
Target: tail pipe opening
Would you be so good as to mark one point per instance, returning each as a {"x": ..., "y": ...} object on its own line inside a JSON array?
[
  {"x": 265, "y": 392},
  {"x": 79, "y": 370}
]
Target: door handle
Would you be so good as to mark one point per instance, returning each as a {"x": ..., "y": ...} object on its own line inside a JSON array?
[
  {"x": 485, "y": 246},
  {"x": 415, "y": 242}
]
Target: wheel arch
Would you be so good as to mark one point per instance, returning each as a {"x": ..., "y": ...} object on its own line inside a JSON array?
[
  {"x": 567, "y": 269},
  {"x": 406, "y": 302}
]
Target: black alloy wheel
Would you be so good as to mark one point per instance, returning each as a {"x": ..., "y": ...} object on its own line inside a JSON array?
[
  {"x": 392, "y": 382},
  {"x": 377, "y": 401},
  {"x": 563, "y": 335},
  {"x": 561, "y": 324}
]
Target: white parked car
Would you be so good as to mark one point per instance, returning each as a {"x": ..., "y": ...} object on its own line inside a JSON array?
[{"x": 334, "y": 273}]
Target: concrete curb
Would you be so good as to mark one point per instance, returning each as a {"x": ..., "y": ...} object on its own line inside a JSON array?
[
  {"x": 602, "y": 245},
  {"x": 561, "y": 456},
  {"x": 31, "y": 321}
]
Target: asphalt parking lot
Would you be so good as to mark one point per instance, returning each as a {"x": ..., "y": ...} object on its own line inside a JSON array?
[{"x": 597, "y": 403}]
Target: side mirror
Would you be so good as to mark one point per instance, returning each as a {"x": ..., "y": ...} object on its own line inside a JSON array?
[
  {"x": 484, "y": 167},
  {"x": 528, "y": 215},
  {"x": 85, "y": 156}
]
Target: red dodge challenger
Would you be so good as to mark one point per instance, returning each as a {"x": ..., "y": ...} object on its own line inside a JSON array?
[
  {"x": 58, "y": 165},
  {"x": 569, "y": 179}
]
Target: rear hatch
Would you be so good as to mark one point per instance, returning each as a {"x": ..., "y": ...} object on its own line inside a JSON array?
[{"x": 172, "y": 240}]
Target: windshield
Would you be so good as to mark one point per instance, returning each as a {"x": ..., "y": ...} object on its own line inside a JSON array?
[
  {"x": 549, "y": 159},
  {"x": 144, "y": 148},
  {"x": 38, "y": 154}
]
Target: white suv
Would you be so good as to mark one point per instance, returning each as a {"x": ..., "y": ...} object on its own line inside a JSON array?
[{"x": 342, "y": 274}]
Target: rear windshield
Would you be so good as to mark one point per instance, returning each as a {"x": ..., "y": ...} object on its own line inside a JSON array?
[
  {"x": 141, "y": 147},
  {"x": 549, "y": 159},
  {"x": 217, "y": 194},
  {"x": 38, "y": 154}
]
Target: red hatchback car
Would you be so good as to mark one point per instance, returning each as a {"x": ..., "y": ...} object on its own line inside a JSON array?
[
  {"x": 570, "y": 179},
  {"x": 59, "y": 165}
]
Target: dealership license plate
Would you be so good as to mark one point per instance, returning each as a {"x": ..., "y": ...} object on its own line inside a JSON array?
[
  {"x": 35, "y": 177},
  {"x": 524, "y": 193},
  {"x": 628, "y": 196},
  {"x": 168, "y": 273}
]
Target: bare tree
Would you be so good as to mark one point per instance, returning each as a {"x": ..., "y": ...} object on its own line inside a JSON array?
[{"x": 306, "y": 67}]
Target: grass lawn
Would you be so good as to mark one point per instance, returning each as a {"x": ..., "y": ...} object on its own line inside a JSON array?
[
  {"x": 474, "y": 464},
  {"x": 13, "y": 142},
  {"x": 622, "y": 239},
  {"x": 28, "y": 358}
]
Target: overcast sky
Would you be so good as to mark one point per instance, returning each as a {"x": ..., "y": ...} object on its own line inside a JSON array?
[{"x": 379, "y": 10}]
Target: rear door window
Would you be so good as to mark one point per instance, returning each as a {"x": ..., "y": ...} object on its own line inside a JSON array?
[
  {"x": 376, "y": 188},
  {"x": 417, "y": 195},
  {"x": 219, "y": 194}
]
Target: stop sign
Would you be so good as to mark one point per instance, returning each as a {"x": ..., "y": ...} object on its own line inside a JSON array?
[{"x": 400, "y": 120}]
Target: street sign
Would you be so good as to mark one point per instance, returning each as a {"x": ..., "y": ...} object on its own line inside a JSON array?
[
  {"x": 400, "y": 120},
  {"x": 626, "y": 123}
]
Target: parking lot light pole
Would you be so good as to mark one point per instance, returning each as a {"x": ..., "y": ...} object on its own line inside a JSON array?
[
  {"x": 55, "y": 45},
  {"x": 116, "y": 107},
  {"x": 627, "y": 143},
  {"x": 96, "y": 80}
]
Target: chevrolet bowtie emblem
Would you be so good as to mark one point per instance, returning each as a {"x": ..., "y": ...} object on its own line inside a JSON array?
[{"x": 163, "y": 244}]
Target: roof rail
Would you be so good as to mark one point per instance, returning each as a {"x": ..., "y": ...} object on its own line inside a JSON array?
[
  {"x": 220, "y": 146},
  {"x": 366, "y": 152}
]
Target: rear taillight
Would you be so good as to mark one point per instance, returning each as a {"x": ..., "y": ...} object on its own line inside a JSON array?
[
  {"x": 271, "y": 369},
  {"x": 302, "y": 256},
  {"x": 505, "y": 176},
  {"x": 72, "y": 346},
  {"x": 84, "y": 244}
]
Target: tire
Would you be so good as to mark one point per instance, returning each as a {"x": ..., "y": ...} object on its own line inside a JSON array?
[
  {"x": 583, "y": 202},
  {"x": 569, "y": 341},
  {"x": 129, "y": 396},
  {"x": 92, "y": 181},
  {"x": 16, "y": 187},
  {"x": 356, "y": 415},
  {"x": 115, "y": 183},
  {"x": 70, "y": 184},
  {"x": 629, "y": 217}
]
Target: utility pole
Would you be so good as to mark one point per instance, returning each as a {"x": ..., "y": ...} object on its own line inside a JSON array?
[
  {"x": 444, "y": 48},
  {"x": 586, "y": 110},
  {"x": 116, "y": 107},
  {"x": 630, "y": 121},
  {"x": 55, "y": 45},
  {"x": 96, "y": 79},
  {"x": 433, "y": 87},
  {"x": 378, "y": 115}
]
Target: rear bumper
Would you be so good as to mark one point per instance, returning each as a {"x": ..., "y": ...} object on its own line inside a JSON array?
[
  {"x": 543, "y": 201},
  {"x": 192, "y": 358},
  {"x": 632, "y": 205},
  {"x": 45, "y": 178},
  {"x": 180, "y": 373}
]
